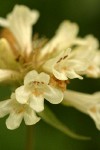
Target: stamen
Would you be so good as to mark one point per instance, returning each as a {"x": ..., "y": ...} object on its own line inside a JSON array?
[{"x": 62, "y": 58}]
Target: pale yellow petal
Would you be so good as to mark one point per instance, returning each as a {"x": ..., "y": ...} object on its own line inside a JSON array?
[
  {"x": 71, "y": 74},
  {"x": 14, "y": 120},
  {"x": 30, "y": 77},
  {"x": 34, "y": 76},
  {"x": 92, "y": 42},
  {"x": 86, "y": 103},
  {"x": 5, "y": 51},
  {"x": 22, "y": 94},
  {"x": 53, "y": 95},
  {"x": 30, "y": 117},
  {"x": 3, "y": 22},
  {"x": 43, "y": 77},
  {"x": 8, "y": 75},
  {"x": 5, "y": 107},
  {"x": 64, "y": 37},
  {"x": 20, "y": 21},
  {"x": 60, "y": 75},
  {"x": 36, "y": 102}
]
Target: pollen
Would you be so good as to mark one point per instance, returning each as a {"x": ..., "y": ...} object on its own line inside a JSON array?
[{"x": 62, "y": 58}]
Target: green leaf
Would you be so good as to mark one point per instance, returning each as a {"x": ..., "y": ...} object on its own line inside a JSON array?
[{"x": 48, "y": 116}]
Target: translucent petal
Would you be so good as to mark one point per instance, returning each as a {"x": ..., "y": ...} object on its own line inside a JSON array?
[
  {"x": 26, "y": 14},
  {"x": 20, "y": 21},
  {"x": 53, "y": 95},
  {"x": 60, "y": 75},
  {"x": 14, "y": 120},
  {"x": 66, "y": 33},
  {"x": 34, "y": 76},
  {"x": 4, "y": 22},
  {"x": 86, "y": 103},
  {"x": 48, "y": 66},
  {"x": 30, "y": 77},
  {"x": 80, "y": 101},
  {"x": 5, "y": 48},
  {"x": 94, "y": 112},
  {"x": 64, "y": 37},
  {"x": 22, "y": 94},
  {"x": 93, "y": 71},
  {"x": 77, "y": 65},
  {"x": 71, "y": 70},
  {"x": 5, "y": 51},
  {"x": 37, "y": 102},
  {"x": 6, "y": 75},
  {"x": 43, "y": 77},
  {"x": 71, "y": 74},
  {"x": 51, "y": 63},
  {"x": 5, "y": 108},
  {"x": 92, "y": 42},
  {"x": 30, "y": 117}
]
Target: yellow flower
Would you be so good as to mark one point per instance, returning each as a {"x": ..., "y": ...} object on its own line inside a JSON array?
[
  {"x": 89, "y": 54},
  {"x": 17, "y": 112},
  {"x": 15, "y": 50},
  {"x": 64, "y": 38},
  {"x": 20, "y": 22},
  {"x": 86, "y": 103},
  {"x": 36, "y": 88},
  {"x": 64, "y": 67},
  {"x": 8, "y": 65},
  {"x": 45, "y": 68}
]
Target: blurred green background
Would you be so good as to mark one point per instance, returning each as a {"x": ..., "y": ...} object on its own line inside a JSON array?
[{"x": 87, "y": 14}]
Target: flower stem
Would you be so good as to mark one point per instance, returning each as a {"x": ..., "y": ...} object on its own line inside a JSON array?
[{"x": 29, "y": 138}]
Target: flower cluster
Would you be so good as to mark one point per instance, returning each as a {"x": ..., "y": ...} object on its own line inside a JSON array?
[{"x": 41, "y": 70}]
